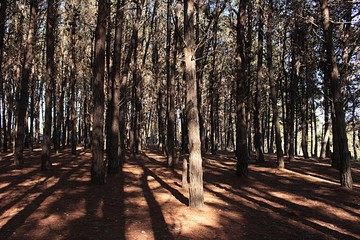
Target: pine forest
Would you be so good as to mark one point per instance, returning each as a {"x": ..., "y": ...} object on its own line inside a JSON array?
[{"x": 184, "y": 119}]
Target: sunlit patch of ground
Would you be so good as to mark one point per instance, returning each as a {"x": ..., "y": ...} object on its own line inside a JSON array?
[{"x": 146, "y": 200}]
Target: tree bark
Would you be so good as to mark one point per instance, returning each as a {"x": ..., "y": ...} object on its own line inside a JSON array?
[
  {"x": 196, "y": 193},
  {"x": 23, "y": 99},
  {"x": 98, "y": 164},
  {"x": 3, "y": 8},
  {"x": 123, "y": 84},
  {"x": 49, "y": 75},
  {"x": 337, "y": 98},
  {"x": 73, "y": 80},
  {"x": 273, "y": 94},
  {"x": 170, "y": 66},
  {"x": 241, "y": 94},
  {"x": 257, "y": 126},
  {"x": 114, "y": 160}
]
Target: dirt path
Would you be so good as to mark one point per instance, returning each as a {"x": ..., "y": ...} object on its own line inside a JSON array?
[{"x": 146, "y": 201}]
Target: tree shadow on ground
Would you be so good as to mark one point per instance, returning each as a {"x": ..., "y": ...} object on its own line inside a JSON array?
[{"x": 145, "y": 201}]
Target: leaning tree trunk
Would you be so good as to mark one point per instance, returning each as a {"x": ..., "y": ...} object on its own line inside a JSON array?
[
  {"x": 241, "y": 95},
  {"x": 98, "y": 164},
  {"x": 49, "y": 75},
  {"x": 196, "y": 192},
  {"x": 23, "y": 99},
  {"x": 337, "y": 98}
]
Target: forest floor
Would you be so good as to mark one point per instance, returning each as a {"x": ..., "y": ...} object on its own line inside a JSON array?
[{"x": 146, "y": 201}]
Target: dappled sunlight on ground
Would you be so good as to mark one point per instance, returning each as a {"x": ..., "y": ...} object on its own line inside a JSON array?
[{"x": 146, "y": 200}]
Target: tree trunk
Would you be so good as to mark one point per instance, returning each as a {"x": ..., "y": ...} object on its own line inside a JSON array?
[
  {"x": 123, "y": 84},
  {"x": 337, "y": 98},
  {"x": 73, "y": 80},
  {"x": 303, "y": 115},
  {"x": 241, "y": 94},
  {"x": 213, "y": 91},
  {"x": 2, "y": 94},
  {"x": 284, "y": 96},
  {"x": 49, "y": 75},
  {"x": 273, "y": 94},
  {"x": 315, "y": 128},
  {"x": 170, "y": 66},
  {"x": 325, "y": 146},
  {"x": 136, "y": 94},
  {"x": 196, "y": 194},
  {"x": 23, "y": 100},
  {"x": 354, "y": 131},
  {"x": 114, "y": 107},
  {"x": 98, "y": 164},
  {"x": 258, "y": 140}
]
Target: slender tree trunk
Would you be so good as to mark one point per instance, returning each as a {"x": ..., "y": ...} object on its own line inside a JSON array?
[
  {"x": 241, "y": 94},
  {"x": 354, "y": 131},
  {"x": 303, "y": 115},
  {"x": 213, "y": 91},
  {"x": 114, "y": 107},
  {"x": 170, "y": 65},
  {"x": 293, "y": 91},
  {"x": 325, "y": 146},
  {"x": 284, "y": 101},
  {"x": 73, "y": 80},
  {"x": 61, "y": 122},
  {"x": 49, "y": 75},
  {"x": 257, "y": 126},
  {"x": 337, "y": 98},
  {"x": 136, "y": 94},
  {"x": 196, "y": 194},
  {"x": 315, "y": 127},
  {"x": 123, "y": 84},
  {"x": 23, "y": 100},
  {"x": 98, "y": 164},
  {"x": 3, "y": 8},
  {"x": 56, "y": 139},
  {"x": 273, "y": 94}
]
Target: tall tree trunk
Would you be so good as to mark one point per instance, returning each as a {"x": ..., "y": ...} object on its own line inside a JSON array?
[
  {"x": 273, "y": 92},
  {"x": 49, "y": 75},
  {"x": 98, "y": 164},
  {"x": 170, "y": 90},
  {"x": 241, "y": 94},
  {"x": 293, "y": 91},
  {"x": 73, "y": 80},
  {"x": 123, "y": 84},
  {"x": 257, "y": 121},
  {"x": 213, "y": 91},
  {"x": 114, "y": 107},
  {"x": 337, "y": 98},
  {"x": 136, "y": 91},
  {"x": 23, "y": 100},
  {"x": 196, "y": 193},
  {"x": 2, "y": 94},
  {"x": 284, "y": 96}
]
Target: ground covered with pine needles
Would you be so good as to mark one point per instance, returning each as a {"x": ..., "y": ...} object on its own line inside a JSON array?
[{"x": 146, "y": 200}]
